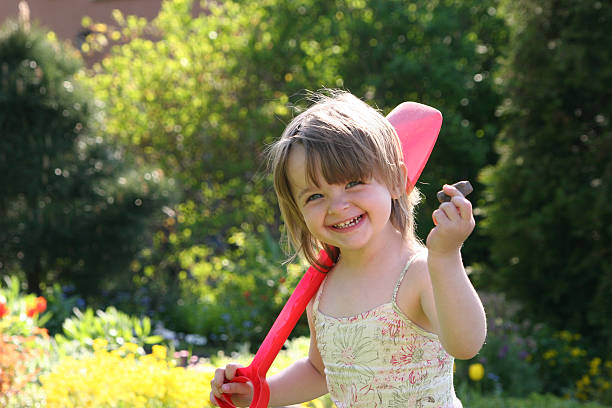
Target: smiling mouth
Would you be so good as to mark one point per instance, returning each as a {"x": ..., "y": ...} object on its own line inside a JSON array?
[{"x": 349, "y": 223}]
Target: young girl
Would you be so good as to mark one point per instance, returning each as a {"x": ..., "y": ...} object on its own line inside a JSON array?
[{"x": 391, "y": 316}]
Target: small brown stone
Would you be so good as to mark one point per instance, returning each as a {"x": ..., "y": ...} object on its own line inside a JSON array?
[{"x": 464, "y": 188}]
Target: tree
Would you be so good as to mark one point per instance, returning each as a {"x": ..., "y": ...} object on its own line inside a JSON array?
[
  {"x": 204, "y": 101},
  {"x": 70, "y": 211},
  {"x": 549, "y": 195},
  {"x": 202, "y": 96},
  {"x": 441, "y": 53}
]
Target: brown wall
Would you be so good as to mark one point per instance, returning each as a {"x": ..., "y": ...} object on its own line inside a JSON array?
[{"x": 64, "y": 16}]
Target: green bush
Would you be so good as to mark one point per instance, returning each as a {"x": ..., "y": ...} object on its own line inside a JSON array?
[
  {"x": 201, "y": 96},
  {"x": 72, "y": 210},
  {"x": 506, "y": 355},
  {"x": 595, "y": 383},
  {"x": 586, "y": 375},
  {"x": 233, "y": 298},
  {"x": 559, "y": 352},
  {"x": 111, "y": 325},
  {"x": 508, "y": 361},
  {"x": 60, "y": 303},
  {"x": 549, "y": 195},
  {"x": 522, "y": 358}
]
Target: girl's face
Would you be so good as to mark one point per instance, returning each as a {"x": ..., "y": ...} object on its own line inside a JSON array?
[{"x": 351, "y": 216}]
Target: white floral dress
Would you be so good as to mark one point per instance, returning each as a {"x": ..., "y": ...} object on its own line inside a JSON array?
[{"x": 379, "y": 358}]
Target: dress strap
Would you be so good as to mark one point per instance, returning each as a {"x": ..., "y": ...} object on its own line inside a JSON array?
[
  {"x": 401, "y": 277},
  {"x": 315, "y": 304}
]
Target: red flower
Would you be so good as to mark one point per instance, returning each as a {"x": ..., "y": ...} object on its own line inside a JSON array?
[
  {"x": 3, "y": 309},
  {"x": 418, "y": 375},
  {"x": 40, "y": 305}
]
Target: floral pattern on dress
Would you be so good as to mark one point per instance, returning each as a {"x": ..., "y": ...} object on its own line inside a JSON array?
[
  {"x": 380, "y": 359},
  {"x": 353, "y": 351}
]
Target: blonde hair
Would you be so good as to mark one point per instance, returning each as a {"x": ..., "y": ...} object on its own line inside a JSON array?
[{"x": 346, "y": 140}]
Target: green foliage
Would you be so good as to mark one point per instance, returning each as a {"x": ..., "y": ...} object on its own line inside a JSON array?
[
  {"x": 14, "y": 305},
  {"x": 507, "y": 358},
  {"x": 182, "y": 103},
  {"x": 72, "y": 210},
  {"x": 24, "y": 346},
  {"x": 204, "y": 101},
  {"x": 586, "y": 375},
  {"x": 523, "y": 358},
  {"x": 233, "y": 298},
  {"x": 59, "y": 306},
  {"x": 111, "y": 325},
  {"x": 548, "y": 197},
  {"x": 476, "y": 400},
  {"x": 202, "y": 96},
  {"x": 439, "y": 53},
  {"x": 594, "y": 385}
]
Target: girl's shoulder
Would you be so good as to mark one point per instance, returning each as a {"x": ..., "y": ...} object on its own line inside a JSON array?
[
  {"x": 418, "y": 263},
  {"x": 418, "y": 272}
]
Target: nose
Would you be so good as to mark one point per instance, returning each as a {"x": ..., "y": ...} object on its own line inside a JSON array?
[{"x": 337, "y": 204}]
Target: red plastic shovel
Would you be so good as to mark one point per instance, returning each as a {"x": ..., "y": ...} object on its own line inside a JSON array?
[{"x": 417, "y": 126}]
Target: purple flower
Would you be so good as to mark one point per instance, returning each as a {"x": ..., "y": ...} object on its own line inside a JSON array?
[{"x": 493, "y": 377}]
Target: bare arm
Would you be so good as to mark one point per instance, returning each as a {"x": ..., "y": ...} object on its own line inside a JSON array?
[
  {"x": 450, "y": 302},
  {"x": 303, "y": 381}
]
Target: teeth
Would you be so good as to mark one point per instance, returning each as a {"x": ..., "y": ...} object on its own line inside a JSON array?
[{"x": 348, "y": 223}]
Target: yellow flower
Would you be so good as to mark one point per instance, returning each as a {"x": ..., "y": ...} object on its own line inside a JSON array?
[
  {"x": 108, "y": 379},
  {"x": 101, "y": 28},
  {"x": 565, "y": 335},
  {"x": 130, "y": 347},
  {"x": 100, "y": 344},
  {"x": 476, "y": 371},
  {"x": 576, "y": 352},
  {"x": 159, "y": 351},
  {"x": 594, "y": 366},
  {"x": 550, "y": 354},
  {"x": 120, "y": 379}
]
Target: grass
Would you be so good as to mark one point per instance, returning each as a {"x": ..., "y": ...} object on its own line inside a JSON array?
[{"x": 473, "y": 399}]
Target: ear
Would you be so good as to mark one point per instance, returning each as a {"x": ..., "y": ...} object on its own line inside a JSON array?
[{"x": 399, "y": 190}]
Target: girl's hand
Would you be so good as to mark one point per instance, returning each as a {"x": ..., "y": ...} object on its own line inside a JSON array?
[
  {"x": 242, "y": 393},
  {"x": 454, "y": 223}
]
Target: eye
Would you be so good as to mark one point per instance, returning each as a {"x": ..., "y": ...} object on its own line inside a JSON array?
[
  {"x": 313, "y": 197},
  {"x": 353, "y": 183}
]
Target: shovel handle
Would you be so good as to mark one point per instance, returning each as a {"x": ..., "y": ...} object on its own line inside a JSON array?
[
  {"x": 261, "y": 391},
  {"x": 278, "y": 334}
]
